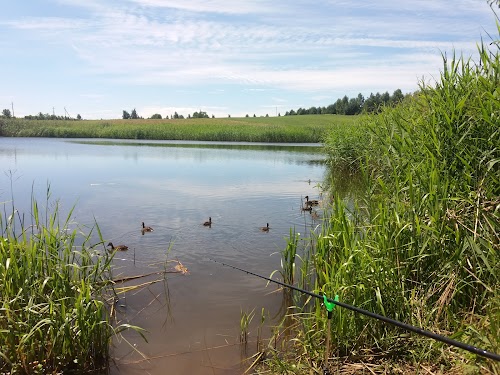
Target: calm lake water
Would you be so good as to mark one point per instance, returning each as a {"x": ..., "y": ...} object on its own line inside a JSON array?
[{"x": 192, "y": 320}]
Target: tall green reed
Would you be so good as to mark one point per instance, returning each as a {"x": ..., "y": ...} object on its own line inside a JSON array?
[
  {"x": 54, "y": 294},
  {"x": 288, "y": 258},
  {"x": 422, "y": 244}
]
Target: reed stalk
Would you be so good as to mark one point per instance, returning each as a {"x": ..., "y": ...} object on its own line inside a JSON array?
[
  {"x": 421, "y": 244},
  {"x": 55, "y": 293}
]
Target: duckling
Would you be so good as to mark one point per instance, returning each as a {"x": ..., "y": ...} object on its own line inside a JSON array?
[
  {"x": 118, "y": 248},
  {"x": 265, "y": 229},
  {"x": 307, "y": 208},
  {"x": 146, "y": 229},
  {"x": 208, "y": 223},
  {"x": 313, "y": 202}
]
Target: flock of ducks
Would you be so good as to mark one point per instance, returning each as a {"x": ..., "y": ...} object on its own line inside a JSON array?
[
  {"x": 144, "y": 229},
  {"x": 307, "y": 207},
  {"x": 309, "y": 204}
]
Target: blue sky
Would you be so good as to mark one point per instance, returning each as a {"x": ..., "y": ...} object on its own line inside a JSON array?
[{"x": 100, "y": 57}]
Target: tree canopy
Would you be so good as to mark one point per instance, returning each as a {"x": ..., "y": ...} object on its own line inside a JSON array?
[{"x": 353, "y": 106}]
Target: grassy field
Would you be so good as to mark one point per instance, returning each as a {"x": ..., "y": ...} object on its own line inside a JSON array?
[{"x": 288, "y": 129}]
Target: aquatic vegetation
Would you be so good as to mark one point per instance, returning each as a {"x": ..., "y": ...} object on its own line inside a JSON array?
[
  {"x": 421, "y": 244},
  {"x": 245, "y": 320},
  {"x": 56, "y": 294},
  {"x": 288, "y": 258}
]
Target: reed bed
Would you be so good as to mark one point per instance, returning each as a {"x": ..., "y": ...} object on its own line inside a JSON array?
[
  {"x": 422, "y": 243},
  {"x": 287, "y": 129},
  {"x": 55, "y": 294}
]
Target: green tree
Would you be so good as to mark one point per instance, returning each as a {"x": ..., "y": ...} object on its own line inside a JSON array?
[
  {"x": 156, "y": 116},
  {"x": 200, "y": 114},
  {"x": 361, "y": 101},
  {"x": 397, "y": 96},
  {"x": 331, "y": 109},
  {"x": 386, "y": 97},
  {"x": 78, "y": 117},
  {"x": 125, "y": 115},
  {"x": 134, "y": 115},
  {"x": 352, "y": 107},
  {"x": 6, "y": 113},
  {"x": 339, "y": 108}
]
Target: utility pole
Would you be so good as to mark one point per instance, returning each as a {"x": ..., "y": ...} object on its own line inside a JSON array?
[
  {"x": 12, "y": 103},
  {"x": 53, "y": 112}
]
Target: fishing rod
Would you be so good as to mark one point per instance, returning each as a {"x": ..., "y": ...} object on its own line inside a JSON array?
[{"x": 408, "y": 327}]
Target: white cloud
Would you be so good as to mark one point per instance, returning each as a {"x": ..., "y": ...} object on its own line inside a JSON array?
[
  {"x": 211, "y": 6},
  {"x": 47, "y": 24},
  {"x": 261, "y": 45}
]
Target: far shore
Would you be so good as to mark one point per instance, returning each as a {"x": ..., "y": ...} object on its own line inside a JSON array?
[{"x": 282, "y": 129}]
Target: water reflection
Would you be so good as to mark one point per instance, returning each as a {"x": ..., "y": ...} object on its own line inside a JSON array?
[{"x": 192, "y": 320}]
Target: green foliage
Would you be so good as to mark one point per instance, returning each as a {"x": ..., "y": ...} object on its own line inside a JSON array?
[
  {"x": 51, "y": 117},
  {"x": 125, "y": 115},
  {"x": 346, "y": 145},
  {"x": 200, "y": 114},
  {"x": 54, "y": 295},
  {"x": 245, "y": 320},
  {"x": 156, "y": 116},
  {"x": 423, "y": 244},
  {"x": 288, "y": 129},
  {"x": 288, "y": 258},
  {"x": 354, "y": 106},
  {"x": 6, "y": 113}
]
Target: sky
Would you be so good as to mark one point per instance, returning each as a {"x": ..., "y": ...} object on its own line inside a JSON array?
[{"x": 97, "y": 58}]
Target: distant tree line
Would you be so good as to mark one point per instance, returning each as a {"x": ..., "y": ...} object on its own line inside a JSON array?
[
  {"x": 133, "y": 115},
  {"x": 267, "y": 115},
  {"x": 353, "y": 106},
  {"x": 344, "y": 106},
  {"x": 7, "y": 114}
]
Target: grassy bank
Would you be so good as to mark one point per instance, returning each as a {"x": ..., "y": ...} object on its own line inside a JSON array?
[
  {"x": 422, "y": 245},
  {"x": 55, "y": 296},
  {"x": 289, "y": 129}
]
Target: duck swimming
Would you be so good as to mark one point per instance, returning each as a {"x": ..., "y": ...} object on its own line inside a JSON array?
[
  {"x": 208, "y": 223},
  {"x": 146, "y": 229},
  {"x": 313, "y": 202},
  {"x": 265, "y": 229},
  {"x": 118, "y": 248}
]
